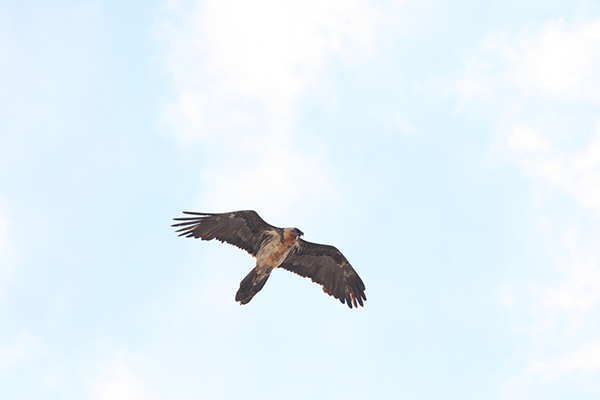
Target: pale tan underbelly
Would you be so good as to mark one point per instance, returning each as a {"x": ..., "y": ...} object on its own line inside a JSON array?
[{"x": 273, "y": 253}]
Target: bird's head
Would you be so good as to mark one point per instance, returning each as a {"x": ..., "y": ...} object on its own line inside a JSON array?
[{"x": 297, "y": 232}]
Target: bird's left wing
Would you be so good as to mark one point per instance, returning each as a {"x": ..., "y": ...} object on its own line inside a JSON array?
[
  {"x": 244, "y": 229},
  {"x": 328, "y": 267}
]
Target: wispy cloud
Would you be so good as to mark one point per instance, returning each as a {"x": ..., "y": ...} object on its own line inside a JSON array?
[
  {"x": 21, "y": 350},
  {"x": 541, "y": 90},
  {"x": 117, "y": 381},
  {"x": 238, "y": 71},
  {"x": 559, "y": 61},
  {"x": 6, "y": 253},
  {"x": 574, "y": 172},
  {"x": 236, "y": 63},
  {"x": 584, "y": 359}
]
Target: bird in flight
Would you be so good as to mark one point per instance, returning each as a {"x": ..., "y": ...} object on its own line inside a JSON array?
[{"x": 276, "y": 248}]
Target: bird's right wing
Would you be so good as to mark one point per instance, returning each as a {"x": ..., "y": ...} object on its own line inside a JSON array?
[
  {"x": 244, "y": 229},
  {"x": 327, "y": 266}
]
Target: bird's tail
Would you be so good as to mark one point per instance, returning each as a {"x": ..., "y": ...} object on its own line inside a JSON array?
[{"x": 252, "y": 284}]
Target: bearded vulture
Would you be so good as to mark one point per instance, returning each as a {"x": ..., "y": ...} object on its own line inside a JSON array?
[{"x": 276, "y": 248}]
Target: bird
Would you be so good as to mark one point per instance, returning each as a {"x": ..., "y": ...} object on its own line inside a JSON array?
[{"x": 275, "y": 247}]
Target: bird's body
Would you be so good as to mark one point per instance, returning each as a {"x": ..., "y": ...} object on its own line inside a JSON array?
[{"x": 277, "y": 248}]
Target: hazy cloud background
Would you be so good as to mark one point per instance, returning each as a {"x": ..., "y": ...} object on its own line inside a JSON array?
[
  {"x": 545, "y": 99},
  {"x": 451, "y": 150}
]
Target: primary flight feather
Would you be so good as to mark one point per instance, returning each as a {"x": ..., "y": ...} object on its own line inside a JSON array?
[{"x": 276, "y": 248}]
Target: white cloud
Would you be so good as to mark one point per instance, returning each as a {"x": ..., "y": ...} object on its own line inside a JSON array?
[
  {"x": 238, "y": 69},
  {"x": 559, "y": 312},
  {"x": 271, "y": 50},
  {"x": 6, "y": 253},
  {"x": 3, "y": 238},
  {"x": 559, "y": 61},
  {"x": 576, "y": 297},
  {"x": 525, "y": 139},
  {"x": 538, "y": 88},
  {"x": 20, "y": 351},
  {"x": 237, "y": 62},
  {"x": 586, "y": 358},
  {"x": 117, "y": 381},
  {"x": 532, "y": 85},
  {"x": 574, "y": 172},
  {"x": 278, "y": 179},
  {"x": 555, "y": 62},
  {"x": 543, "y": 377},
  {"x": 6, "y": 44}
]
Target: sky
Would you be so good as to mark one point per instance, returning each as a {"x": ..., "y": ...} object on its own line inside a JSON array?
[{"x": 450, "y": 150}]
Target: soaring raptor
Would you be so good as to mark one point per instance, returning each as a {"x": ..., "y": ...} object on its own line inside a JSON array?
[{"x": 277, "y": 248}]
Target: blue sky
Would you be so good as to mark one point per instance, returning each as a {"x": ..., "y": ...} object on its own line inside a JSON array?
[{"x": 451, "y": 150}]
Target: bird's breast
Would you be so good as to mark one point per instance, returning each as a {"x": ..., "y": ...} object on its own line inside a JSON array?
[{"x": 273, "y": 252}]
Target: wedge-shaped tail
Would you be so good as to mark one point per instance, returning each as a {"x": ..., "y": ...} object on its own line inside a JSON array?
[{"x": 252, "y": 284}]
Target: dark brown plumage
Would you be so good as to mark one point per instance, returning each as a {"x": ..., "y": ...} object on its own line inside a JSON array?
[{"x": 277, "y": 248}]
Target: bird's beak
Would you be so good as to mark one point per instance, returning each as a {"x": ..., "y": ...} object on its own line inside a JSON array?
[{"x": 298, "y": 232}]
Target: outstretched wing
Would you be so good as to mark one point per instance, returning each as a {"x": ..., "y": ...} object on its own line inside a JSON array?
[
  {"x": 244, "y": 229},
  {"x": 328, "y": 267}
]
